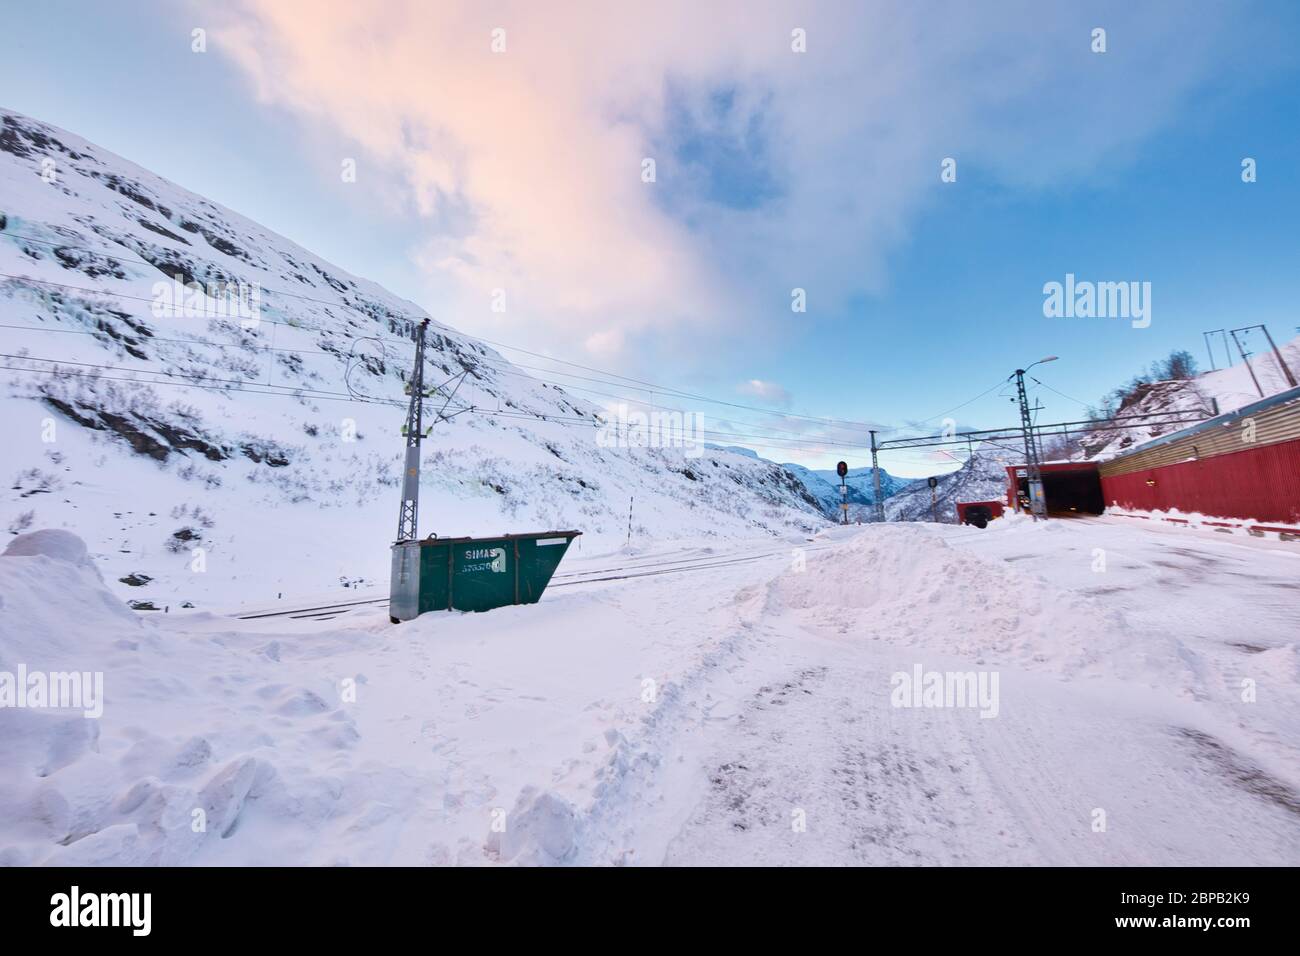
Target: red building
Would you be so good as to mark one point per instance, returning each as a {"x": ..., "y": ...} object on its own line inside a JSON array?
[
  {"x": 1242, "y": 465},
  {"x": 1245, "y": 464}
]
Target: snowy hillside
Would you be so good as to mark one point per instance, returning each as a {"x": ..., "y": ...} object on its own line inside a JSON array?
[
  {"x": 163, "y": 422},
  {"x": 983, "y": 477},
  {"x": 1203, "y": 396}
]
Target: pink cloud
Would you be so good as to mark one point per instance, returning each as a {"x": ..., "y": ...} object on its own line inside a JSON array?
[{"x": 536, "y": 153}]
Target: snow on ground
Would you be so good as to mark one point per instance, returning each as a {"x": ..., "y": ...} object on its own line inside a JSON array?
[{"x": 741, "y": 713}]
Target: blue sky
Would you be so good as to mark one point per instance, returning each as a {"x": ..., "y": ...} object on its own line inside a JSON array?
[{"x": 774, "y": 172}]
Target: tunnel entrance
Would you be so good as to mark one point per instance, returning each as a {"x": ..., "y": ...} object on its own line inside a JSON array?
[{"x": 1069, "y": 491}]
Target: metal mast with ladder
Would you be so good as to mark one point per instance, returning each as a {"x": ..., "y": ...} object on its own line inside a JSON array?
[
  {"x": 404, "y": 583},
  {"x": 464, "y": 574},
  {"x": 408, "y": 516},
  {"x": 1033, "y": 471}
]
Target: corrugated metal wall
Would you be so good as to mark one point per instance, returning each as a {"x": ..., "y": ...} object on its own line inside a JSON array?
[
  {"x": 1270, "y": 421},
  {"x": 1261, "y": 483}
]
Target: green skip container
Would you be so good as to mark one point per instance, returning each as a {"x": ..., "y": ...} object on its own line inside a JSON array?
[{"x": 473, "y": 574}]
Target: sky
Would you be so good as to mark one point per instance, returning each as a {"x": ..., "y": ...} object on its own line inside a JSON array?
[{"x": 502, "y": 154}]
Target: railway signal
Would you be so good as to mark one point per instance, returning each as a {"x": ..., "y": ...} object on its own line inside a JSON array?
[{"x": 842, "y": 469}]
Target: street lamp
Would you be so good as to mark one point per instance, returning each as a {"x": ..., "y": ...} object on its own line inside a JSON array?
[{"x": 1033, "y": 470}]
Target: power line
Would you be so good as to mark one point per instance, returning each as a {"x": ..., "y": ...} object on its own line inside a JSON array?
[
  {"x": 965, "y": 403},
  {"x": 765, "y": 437},
  {"x": 1062, "y": 394},
  {"x": 303, "y": 392},
  {"x": 651, "y": 385},
  {"x": 503, "y": 367}
]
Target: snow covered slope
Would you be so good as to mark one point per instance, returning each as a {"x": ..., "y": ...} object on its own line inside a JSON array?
[
  {"x": 982, "y": 477},
  {"x": 247, "y": 441},
  {"x": 825, "y": 487},
  {"x": 1203, "y": 396}
]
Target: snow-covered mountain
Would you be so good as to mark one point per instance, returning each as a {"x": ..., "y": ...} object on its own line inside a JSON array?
[
  {"x": 168, "y": 425},
  {"x": 825, "y": 487},
  {"x": 982, "y": 477}
]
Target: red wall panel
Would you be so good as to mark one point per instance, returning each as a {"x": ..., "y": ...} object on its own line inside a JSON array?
[{"x": 1261, "y": 483}]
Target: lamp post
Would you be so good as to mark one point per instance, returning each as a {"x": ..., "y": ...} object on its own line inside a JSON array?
[{"x": 1033, "y": 469}]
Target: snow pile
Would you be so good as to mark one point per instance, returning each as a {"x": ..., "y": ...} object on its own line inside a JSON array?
[
  {"x": 51, "y": 543},
  {"x": 54, "y": 608},
  {"x": 300, "y": 742},
  {"x": 541, "y": 832},
  {"x": 908, "y": 588},
  {"x": 184, "y": 742}
]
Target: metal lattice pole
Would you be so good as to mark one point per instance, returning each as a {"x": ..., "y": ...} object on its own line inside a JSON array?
[
  {"x": 1033, "y": 471},
  {"x": 875, "y": 480},
  {"x": 408, "y": 517},
  {"x": 1273, "y": 345},
  {"x": 1245, "y": 357}
]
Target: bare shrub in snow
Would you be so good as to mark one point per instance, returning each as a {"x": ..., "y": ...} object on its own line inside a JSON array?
[
  {"x": 22, "y": 522},
  {"x": 190, "y": 471},
  {"x": 34, "y": 481}
]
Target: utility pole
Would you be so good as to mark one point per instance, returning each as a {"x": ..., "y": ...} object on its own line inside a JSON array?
[
  {"x": 408, "y": 517},
  {"x": 1276, "y": 354},
  {"x": 1033, "y": 471},
  {"x": 404, "y": 583},
  {"x": 1209, "y": 347},
  {"x": 875, "y": 480},
  {"x": 1246, "y": 358}
]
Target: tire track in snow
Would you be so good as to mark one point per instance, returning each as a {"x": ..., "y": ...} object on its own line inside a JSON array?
[{"x": 869, "y": 785}]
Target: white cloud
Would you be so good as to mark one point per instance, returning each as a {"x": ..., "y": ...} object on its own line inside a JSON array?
[
  {"x": 768, "y": 392},
  {"x": 526, "y": 166}
]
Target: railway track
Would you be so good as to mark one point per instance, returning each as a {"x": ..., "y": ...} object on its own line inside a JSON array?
[{"x": 326, "y": 612}]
